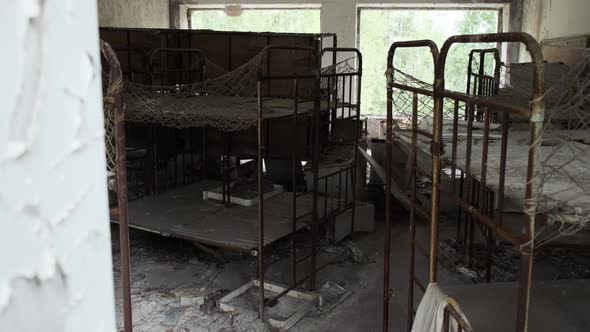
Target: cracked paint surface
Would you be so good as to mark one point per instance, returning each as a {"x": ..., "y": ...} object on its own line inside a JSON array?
[
  {"x": 55, "y": 239},
  {"x": 133, "y": 13},
  {"x": 547, "y": 19}
]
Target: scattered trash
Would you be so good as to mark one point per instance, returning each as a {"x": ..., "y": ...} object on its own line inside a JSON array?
[
  {"x": 467, "y": 272},
  {"x": 562, "y": 263},
  {"x": 353, "y": 252},
  {"x": 285, "y": 312},
  {"x": 332, "y": 295},
  {"x": 191, "y": 296}
]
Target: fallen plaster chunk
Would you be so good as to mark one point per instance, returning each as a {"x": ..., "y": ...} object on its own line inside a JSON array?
[{"x": 191, "y": 296}]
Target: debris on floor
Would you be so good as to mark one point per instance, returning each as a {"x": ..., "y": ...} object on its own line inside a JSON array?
[
  {"x": 550, "y": 263},
  {"x": 332, "y": 295},
  {"x": 281, "y": 313},
  {"x": 176, "y": 287},
  {"x": 156, "y": 311}
]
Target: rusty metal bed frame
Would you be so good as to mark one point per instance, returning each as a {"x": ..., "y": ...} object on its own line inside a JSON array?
[
  {"x": 342, "y": 199},
  {"x": 348, "y": 107},
  {"x": 472, "y": 197},
  {"x": 119, "y": 211}
]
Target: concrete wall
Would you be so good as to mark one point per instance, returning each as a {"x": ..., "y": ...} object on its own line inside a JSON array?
[
  {"x": 134, "y": 13},
  {"x": 55, "y": 240},
  {"x": 545, "y": 19}
]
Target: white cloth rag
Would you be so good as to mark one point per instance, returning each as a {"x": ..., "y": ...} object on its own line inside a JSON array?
[{"x": 431, "y": 310}]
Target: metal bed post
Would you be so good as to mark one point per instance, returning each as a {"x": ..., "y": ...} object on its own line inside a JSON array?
[
  {"x": 315, "y": 170},
  {"x": 388, "y": 181},
  {"x": 355, "y": 169},
  {"x": 353, "y": 173},
  {"x": 469, "y": 71},
  {"x": 260, "y": 183},
  {"x": 388, "y": 147},
  {"x": 294, "y": 184},
  {"x": 115, "y": 91},
  {"x": 436, "y": 151},
  {"x": 315, "y": 124},
  {"x": 333, "y": 115},
  {"x": 357, "y": 133},
  {"x": 536, "y": 113}
]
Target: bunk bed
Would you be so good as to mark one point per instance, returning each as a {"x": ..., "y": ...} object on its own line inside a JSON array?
[
  {"x": 183, "y": 212},
  {"x": 316, "y": 106},
  {"x": 491, "y": 152}
]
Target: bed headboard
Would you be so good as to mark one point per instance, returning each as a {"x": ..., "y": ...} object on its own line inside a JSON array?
[{"x": 228, "y": 50}]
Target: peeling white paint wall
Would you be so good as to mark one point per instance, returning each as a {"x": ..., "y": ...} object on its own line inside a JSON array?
[
  {"x": 547, "y": 19},
  {"x": 55, "y": 239},
  {"x": 133, "y": 13}
]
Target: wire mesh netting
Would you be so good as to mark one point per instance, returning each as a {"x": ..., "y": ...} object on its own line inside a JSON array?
[
  {"x": 109, "y": 136},
  {"x": 336, "y": 85},
  {"x": 225, "y": 100},
  {"x": 402, "y": 101},
  {"x": 214, "y": 102}
]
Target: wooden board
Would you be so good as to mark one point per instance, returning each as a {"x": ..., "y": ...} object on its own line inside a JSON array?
[{"x": 182, "y": 213}]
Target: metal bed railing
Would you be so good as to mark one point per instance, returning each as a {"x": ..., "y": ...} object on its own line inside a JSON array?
[
  {"x": 388, "y": 181},
  {"x": 453, "y": 321},
  {"x": 535, "y": 114},
  {"x": 297, "y": 280},
  {"x": 337, "y": 195},
  {"x": 346, "y": 107},
  {"x": 479, "y": 82},
  {"x": 471, "y": 196}
]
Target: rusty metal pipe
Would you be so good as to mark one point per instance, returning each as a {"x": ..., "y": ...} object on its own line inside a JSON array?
[
  {"x": 413, "y": 165},
  {"x": 260, "y": 184},
  {"x": 315, "y": 170},
  {"x": 115, "y": 90},
  {"x": 294, "y": 185}
]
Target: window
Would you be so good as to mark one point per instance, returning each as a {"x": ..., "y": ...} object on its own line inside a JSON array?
[
  {"x": 294, "y": 19},
  {"x": 380, "y": 27}
]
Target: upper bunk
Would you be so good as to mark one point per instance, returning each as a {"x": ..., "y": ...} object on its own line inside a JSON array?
[{"x": 198, "y": 78}]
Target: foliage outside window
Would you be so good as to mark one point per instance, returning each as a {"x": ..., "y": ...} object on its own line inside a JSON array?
[{"x": 379, "y": 28}]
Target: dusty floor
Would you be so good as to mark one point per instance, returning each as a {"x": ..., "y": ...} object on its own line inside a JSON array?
[{"x": 163, "y": 268}]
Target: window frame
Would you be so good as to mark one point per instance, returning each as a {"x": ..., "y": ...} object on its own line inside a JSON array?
[
  {"x": 503, "y": 10},
  {"x": 194, "y": 8}
]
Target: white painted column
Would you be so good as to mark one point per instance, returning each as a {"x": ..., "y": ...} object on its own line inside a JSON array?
[{"x": 55, "y": 250}]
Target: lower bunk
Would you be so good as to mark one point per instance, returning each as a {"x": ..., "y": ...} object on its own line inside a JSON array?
[{"x": 184, "y": 213}]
